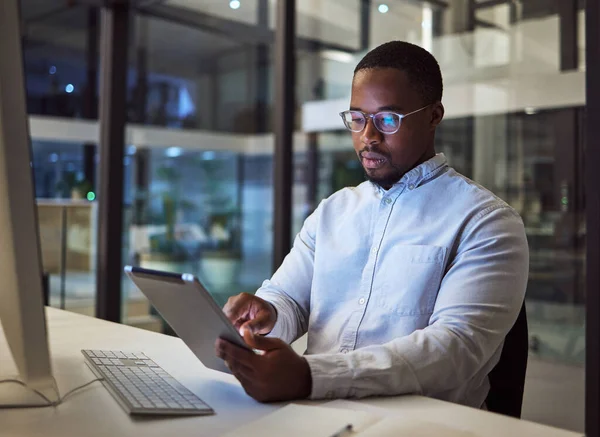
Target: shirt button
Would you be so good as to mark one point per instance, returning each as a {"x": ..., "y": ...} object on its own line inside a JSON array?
[
  {"x": 344, "y": 351},
  {"x": 361, "y": 301},
  {"x": 411, "y": 187},
  {"x": 374, "y": 250},
  {"x": 387, "y": 200}
]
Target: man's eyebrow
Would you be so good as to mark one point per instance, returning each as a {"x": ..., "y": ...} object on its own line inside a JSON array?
[{"x": 354, "y": 108}]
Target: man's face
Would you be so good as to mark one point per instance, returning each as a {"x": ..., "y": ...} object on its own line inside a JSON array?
[{"x": 387, "y": 157}]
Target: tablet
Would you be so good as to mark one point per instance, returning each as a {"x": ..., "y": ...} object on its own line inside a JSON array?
[{"x": 190, "y": 310}]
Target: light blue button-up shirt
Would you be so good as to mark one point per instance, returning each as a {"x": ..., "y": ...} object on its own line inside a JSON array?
[{"x": 409, "y": 290}]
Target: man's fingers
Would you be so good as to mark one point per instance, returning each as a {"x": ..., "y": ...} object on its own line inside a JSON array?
[
  {"x": 262, "y": 343},
  {"x": 234, "y": 307},
  {"x": 237, "y": 309},
  {"x": 236, "y": 357},
  {"x": 249, "y": 380},
  {"x": 242, "y": 372},
  {"x": 250, "y": 387},
  {"x": 239, "y": 368},
  {"x": 258, "y": 325}
]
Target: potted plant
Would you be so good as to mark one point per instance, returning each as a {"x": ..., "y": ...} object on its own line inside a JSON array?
[
  {"x": 73, "y": 187},
  {"x": 157, "y": 216},
  {"x": 154, "y": 230},
  {"x": 221, "y": 257}
]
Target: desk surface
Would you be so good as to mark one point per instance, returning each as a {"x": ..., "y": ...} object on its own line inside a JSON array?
[{"x": 93, "y": 412}]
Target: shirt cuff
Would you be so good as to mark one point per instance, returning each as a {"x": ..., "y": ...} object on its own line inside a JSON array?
[
  {"x": 279, "y": 329},
  {"x": 331, "y": 376}
]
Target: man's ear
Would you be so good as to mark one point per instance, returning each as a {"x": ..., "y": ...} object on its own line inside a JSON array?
[{"x": 437, "y": 114}]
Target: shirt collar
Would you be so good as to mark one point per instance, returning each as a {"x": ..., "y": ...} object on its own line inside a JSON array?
[{"x": 420, "y": 173}]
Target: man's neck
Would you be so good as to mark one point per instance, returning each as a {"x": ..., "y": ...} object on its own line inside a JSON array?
[{"x": 424, "y": 158}]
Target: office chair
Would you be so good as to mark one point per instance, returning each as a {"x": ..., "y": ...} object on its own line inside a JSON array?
[{"x": 507, "y": 379}]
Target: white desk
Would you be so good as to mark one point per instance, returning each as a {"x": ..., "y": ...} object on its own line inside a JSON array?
[{"x": 93, "y": 411}]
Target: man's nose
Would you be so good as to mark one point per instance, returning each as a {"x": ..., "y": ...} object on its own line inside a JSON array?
[{"x": 370, "y": 134}]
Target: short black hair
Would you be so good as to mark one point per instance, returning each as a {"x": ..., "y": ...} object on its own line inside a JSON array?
[{"x": 422, "y": 69}]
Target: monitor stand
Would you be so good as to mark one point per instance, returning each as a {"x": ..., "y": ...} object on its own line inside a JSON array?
[{"x": 14, "y": 395}]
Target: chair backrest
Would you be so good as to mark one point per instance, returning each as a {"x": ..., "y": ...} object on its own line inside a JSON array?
[{"x": 507, "y": 379}]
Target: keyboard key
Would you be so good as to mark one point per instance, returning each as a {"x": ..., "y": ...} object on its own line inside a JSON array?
[
  {"x": 135, "y": 403},
  {"x": 198, "y": 404}
]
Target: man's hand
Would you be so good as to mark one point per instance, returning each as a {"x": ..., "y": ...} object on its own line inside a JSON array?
[
  {"x": 252, "y": 312},
  {"x": 279, "y": 374}
]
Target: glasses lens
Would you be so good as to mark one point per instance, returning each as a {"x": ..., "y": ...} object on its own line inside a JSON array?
[
  {"x": 354, "y": 120},
  {"x": 387, "y": 122}
]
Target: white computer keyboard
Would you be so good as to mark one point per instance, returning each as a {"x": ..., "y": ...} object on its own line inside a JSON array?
[{"x": 141, "y": 386}]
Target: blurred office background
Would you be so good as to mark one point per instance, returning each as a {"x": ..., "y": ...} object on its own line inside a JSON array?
[{"x": 198, "y": 182}]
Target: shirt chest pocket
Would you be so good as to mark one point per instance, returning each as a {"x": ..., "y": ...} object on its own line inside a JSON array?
[{"x": 407, "y": 279}]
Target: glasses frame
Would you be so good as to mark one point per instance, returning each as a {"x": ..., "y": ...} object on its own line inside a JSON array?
[{"x": 374, "y": 114}]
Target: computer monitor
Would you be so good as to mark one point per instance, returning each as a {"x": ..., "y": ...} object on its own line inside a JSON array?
[{"x": 21, "y": 295}]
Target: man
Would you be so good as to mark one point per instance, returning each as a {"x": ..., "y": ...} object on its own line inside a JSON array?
[{"x": 407, "y": 283}]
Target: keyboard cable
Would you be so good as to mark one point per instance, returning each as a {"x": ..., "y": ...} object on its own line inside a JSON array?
[{"x": 50, "y": 403}]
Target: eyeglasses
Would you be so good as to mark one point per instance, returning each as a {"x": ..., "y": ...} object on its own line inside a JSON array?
[{"x": 386, "y": 122}]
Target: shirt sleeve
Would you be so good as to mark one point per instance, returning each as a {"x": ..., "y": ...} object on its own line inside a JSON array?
[
  {"x": 478, "y": 302},
  {"x": 290, "y": 287}
]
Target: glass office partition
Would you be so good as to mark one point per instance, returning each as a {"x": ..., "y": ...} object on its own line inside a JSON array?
[
  {"x": 201, "y": 200},
  {"x": 60, "y": 48},
  {"x": 67, "y": 218},
  {"x": 197, "y": 78}
]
